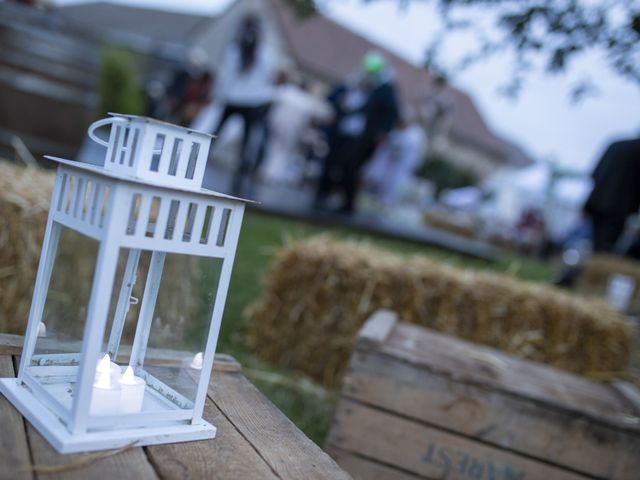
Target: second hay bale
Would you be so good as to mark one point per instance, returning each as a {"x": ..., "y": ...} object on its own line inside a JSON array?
[{"x": 319, "y": 292}]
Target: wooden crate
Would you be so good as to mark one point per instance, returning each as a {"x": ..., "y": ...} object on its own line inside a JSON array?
[{"x": 420, "y": 404}]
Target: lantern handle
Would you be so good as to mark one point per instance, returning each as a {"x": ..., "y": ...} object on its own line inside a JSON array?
[{"x": 102, "y": 123}]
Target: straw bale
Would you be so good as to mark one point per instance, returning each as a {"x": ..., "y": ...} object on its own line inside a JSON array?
[
  {"x": 318, "y": 292},
  {"x": 25, "y": 194},
  {"x": 24, "y": 203}
]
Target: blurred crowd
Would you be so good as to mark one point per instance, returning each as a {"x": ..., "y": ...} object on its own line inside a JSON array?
[
  {"x": 355, "y": 137},
  {"x": 358, "y": 137}
]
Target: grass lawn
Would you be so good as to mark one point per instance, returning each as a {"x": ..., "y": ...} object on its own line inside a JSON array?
[{"x": 305, "y": 403}]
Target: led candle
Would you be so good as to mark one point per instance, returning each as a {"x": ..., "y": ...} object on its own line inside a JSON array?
[
  {"x": 106, "y": 365},
  {"x": 105, "y": 396},
  {"x": 196, "y": 363},
  {"x": 42, "y": 329},
  {"x": 131, "y": 392}
]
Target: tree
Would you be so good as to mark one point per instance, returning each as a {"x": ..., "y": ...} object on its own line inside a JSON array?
[
  {"x": 547, "y": 34},
  {"x": 445, "y": 173},
  {"x": 119, "y": 88}
]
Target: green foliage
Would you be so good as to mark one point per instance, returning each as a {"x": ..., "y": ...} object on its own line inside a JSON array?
[
  {"x": 445, "y": 174},
  {"x": 303, "y": 8},
  {"x": 119, "y": 88}
]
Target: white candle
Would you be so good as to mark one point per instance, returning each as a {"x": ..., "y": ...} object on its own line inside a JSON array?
[
  {"x": 131, "y": 392},
  {"x": 106, "y": 365},
  {"x": 105, "y": 396},
  {"x": 197, "y": 361}
]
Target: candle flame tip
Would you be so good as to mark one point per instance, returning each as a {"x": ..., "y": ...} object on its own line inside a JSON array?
[
  {"x": 128, "y": 375},
  {"x": 104, "y": 366}
]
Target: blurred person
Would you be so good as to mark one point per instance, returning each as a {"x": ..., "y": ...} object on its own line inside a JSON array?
[
  {"x": 155, "y": 96},
  {"x": 183, "y": 82},
  {"x": 616, "y": 192},
  {"x": 348, "y": 101},
  {"x": 531, "y": 231},
  {"x": 366, "y": 112},
  {"x": 246, "y": 87},
  {"x": 395, "y": 161},
  {"x": 292, "y": 111},
  {"x": 197, "y": 94},
  {"x": 436, "y": 111},
  {"x": 576, "y": 248}
]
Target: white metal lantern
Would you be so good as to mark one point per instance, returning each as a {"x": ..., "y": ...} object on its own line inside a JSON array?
[{"x": 141, "y": 214}]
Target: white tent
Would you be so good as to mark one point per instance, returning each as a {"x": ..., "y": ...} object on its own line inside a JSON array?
[{"x": 560, "y": 198}]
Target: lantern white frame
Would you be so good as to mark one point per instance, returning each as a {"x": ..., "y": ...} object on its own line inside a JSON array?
[{"x": 93, "y": 201}]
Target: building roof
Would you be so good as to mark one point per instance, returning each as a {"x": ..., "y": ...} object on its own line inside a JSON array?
[
  {"x": 144, "y": 27},
  {"x": 331, "y": 51}
]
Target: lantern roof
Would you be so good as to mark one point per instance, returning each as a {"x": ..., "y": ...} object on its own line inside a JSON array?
[
  {"x": 151, "y": 152},
  {"x": 117, "y": 175},
  {"x": 150, "y": 120}
]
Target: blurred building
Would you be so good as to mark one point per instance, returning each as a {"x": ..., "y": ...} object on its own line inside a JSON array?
[{"x": 321, "y": 50}]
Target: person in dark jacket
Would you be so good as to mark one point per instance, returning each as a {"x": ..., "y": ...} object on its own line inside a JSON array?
[
  {"x": 615, "y": 194},
  {"x": 366, "y": 111}
]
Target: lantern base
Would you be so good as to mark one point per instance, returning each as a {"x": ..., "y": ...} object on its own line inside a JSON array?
[{"x": 48, "y": 424}]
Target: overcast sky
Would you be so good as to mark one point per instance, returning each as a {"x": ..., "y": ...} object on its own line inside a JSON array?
[{"x": 542, "y": 119}]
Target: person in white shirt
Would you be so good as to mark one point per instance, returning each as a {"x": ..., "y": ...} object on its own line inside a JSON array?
[
  {"x": 245, "y": 88},
  {"x": 292, "y": 112},
  {"x": 395, "y": 161}
]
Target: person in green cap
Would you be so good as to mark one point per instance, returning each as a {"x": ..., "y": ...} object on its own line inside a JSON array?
[
  {"x": 366, "y": 111},
  {"x": 372, "y": 63}
]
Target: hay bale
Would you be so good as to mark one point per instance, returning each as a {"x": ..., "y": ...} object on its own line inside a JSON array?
[
  {"x": 24, "y": 202},
  {"x": 25, "y": 195},
  {"x": 319, "y": 291},
  {"x": 597, "y": 270}
]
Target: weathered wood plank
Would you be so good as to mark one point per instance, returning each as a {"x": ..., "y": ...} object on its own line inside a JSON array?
[
  {"x": 229, "y": 455},
  {"x": 430, "y": 452},
  {"x": 474, "y": 364},
  {"x": 279, "y": 442},
  {"x": 13, "y": 440},
  {"x": 365, "y": 469},
  {"x": 629, "y": 392},
  {"x": 11, "y": 344},
  {"x": 490, "y": 416},
  {"x": 131, "y": 464}
]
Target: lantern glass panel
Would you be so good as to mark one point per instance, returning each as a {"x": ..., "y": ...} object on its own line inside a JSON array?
[
  {"x": 54, "y": 363},
  {"x": 181, "y": 321},
  {"x": 171, "y": 349}
]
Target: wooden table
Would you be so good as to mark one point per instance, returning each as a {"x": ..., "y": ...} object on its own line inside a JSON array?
[{"x": 254, "y": 440}]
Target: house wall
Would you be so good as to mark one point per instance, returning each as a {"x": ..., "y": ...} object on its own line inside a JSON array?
[
  {"x": 474, "y": 160},
  {"x": 215, "y": 39}
]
